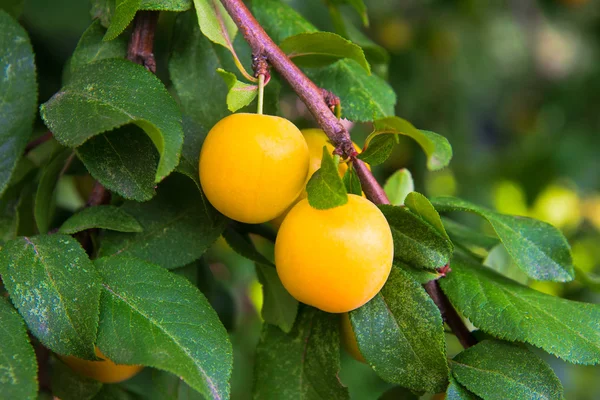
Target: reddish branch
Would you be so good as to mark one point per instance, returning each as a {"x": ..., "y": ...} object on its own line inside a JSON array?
[
  {"x": 317, "y": 103},
  {"x": 141, "y": 44}
]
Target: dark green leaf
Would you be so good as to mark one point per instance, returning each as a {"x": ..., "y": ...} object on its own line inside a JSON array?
[
  {"x": 318, "y": 49},
  {"x": 240, "y": 94},
  {"x": 194, "y": 135},
  {"x": 375, "y": 53},
  {"x": 144, "y": 305},
  {"x": 511, "y": 311},
  {"x": 9, "y": 214},
  {"x": 420, "y": 275},
  {"x": 179, "y": 225},
  {"x": 91, "y": 48},
  {"x": 166, "y": 5},
  {"x": 280, "y": 20},
  {"x": 456, "y": 391},
  {"x": 279, "y": 307},
  {"x": 498, "y": 370},
  {"x": 193, "y": 69},
  {"x": 114, "y": 392},
  {"x": 56, "y": 289},
  {"x": 302, "y": 364},
  {"x": 18, "y": 366},
  {"x": 360, "y": 8},
  {"x": 398, "y": 186},
  {"x": 242, "y": 245},
  {"x": 400, "y": 333},
  {"x": 538, "y": 248},
  {"x": 18, "y": 94},
  {"x": 70, "y": 385},
  {"x": 419, "y": 205},
  {"x": 12, "y": 7},
  {"x": 398, "y": 393},
  {"x": 325, "y": 188},
  {"x": 103, "y": 217},
  {"x": 111, "y": 93},
  {"x": 379, "y": 150},
  {"x": 102, "y": 10},
  {"x": 215, "y": 22},
  {"x": 45, "y": 201},
  {"x": 436, "y": 147},
  {"x": 124, "y": 12},
  {"x": 351, "y": 182},
  {"x": 416, "y": 242},
  {"x": 465, "y": 235}
]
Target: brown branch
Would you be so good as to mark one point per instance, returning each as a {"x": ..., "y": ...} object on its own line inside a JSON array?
[
  {"x": 450, "y": 315},
  {"x": 141, "y": 44},
  {"x": 316, "y": 103},
  {"x": 37, "y": 141}
]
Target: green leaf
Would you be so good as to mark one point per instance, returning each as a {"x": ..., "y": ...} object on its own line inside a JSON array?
[
  {"x": 374, "y": 52},
  {"x": 360, "y": 8},
  {"x": 498, "y": 370},
  {"x": 91, "y": 48},
  {"x": 45, "y": 200},
  {"x": 215, "y": 23},
  {"x": 379, "y": 150},
  {"x": 279, "y": 307},
  {"x": 456, "y": 391},
  {"x": 18, "y": 366},
  {"x": 194, "y": 135},
  {"x": 436, "y": 147},
  {"x": 242, "y": 245},
  {"x": 311, "y": 356},
  {"x": 123, "y": 160},
  {"x": 280, "y": 20},
  {"x": 590, "y": 281},
  {"x": 419, "y": 205},
  {"x": 352, "y": 182},
  {"x": 401, "y": 335},
  {"x": 465, "y": 235},
  {"x": 9, "y": 213},
  {"x": 416, "y": 242},
  {"x": 102, "y": 10},
  {"x": 18, "y": 95},
  {"x": 398, "y": 186},
  {"x": 12, "y": 7},
  {"x": 318, "y": 49},
  {"x": 193, "y": 69},
  {"x": 103, "y": 217},
  {"x": 325, "y": 188},
  {"x": 166, "y": 5},
  {"x": 56, "y": 289},
  {"x": 364, "y": 97},
  {"x": 240, "y": 94},
  {"x": 111, "y": 93},
  {"x": 511, "y": 311},
  {"x": 152, "y": 317},
  {"x": 69, "y": 385},
  {"x": 179, "y": 225},
  {"x": 538, "y": 248},
  {"x": 124, "y": 12}
]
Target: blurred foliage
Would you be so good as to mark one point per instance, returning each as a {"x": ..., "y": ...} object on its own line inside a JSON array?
[{"x": 514, "y": 86}]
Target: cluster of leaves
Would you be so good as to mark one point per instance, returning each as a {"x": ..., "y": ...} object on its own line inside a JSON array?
[{"x": 119, "y": 123}]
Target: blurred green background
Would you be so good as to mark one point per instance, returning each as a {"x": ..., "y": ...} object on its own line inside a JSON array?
[{"x": 514, "y": 85}]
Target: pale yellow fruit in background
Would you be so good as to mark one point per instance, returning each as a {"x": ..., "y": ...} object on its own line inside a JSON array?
[
  {"x": 348, "y": 338},
  {"x": 104, "y": 371},
  {"x": 337, "y": 259},
  {"x": 252, "y": 167}
]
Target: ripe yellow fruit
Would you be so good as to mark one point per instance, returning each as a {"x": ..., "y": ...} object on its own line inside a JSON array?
[
  {"x": 348, "y": 339},
  {"x": 336, "y": 259},
  {"x": 315, "y": 139},
  {"x": 104, "y": 371},
  {"x": 253, "y": 166}
]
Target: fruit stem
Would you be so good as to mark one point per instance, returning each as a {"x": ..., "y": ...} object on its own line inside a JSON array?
[{"x": 261, "y": 93}]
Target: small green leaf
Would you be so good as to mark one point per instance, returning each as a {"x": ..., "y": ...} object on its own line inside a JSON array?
[
  {"x": 18, "y": 366},
  {"x": 398, "y": 186},
  {"x": 215, "y": 23},
  {"x": 312, "y": 360},
  {"x": 325, "y": 188},
  {"x": 103, "y": 217},
  {"x": 166, "y": 5},
  {"x": 436, "y": 147},
  {"x": 179, "y": 225},
  {"x": 508, "y": 310},
  {"x": 538, "y": 248},
  {"x": 144, "y": 305},
  {"x": 45, "y": 200},
  {"x": 56, "y": 289},
  {"x": 352, "y": 182},
  {"x": 123, "y": 160},
  {"x": 318, "y": 49},
  {"x": 379, "y": 150},
  {"x": 498, "y": 370},
  {"x": 124, "y": 12},
  {"x": 416, "y": 242},
  {"x": 91, "y": 48},
  {"x": 70, "y": 385},
  {"x": 456, "y": 391},
  {"x": 243, "y": 246},
  {"x": 419, "y": 205},
  {"x": 279, "y": 307},
  {"x": 400, "y": 333},
  {"x": 110, "y": 93},
  {"x": 18, "y": 95},
  {"x": 240, "y": 94}
]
